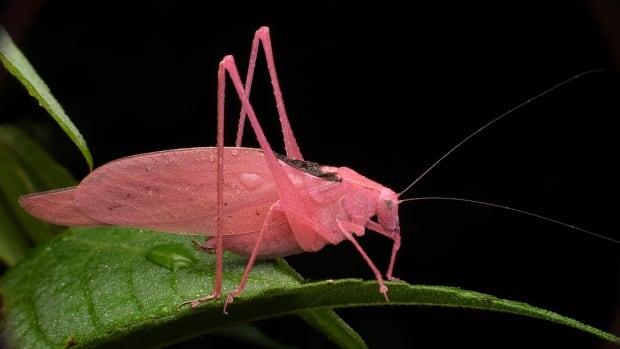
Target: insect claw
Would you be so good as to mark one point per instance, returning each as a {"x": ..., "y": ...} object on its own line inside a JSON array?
[
  {"x": 196, "y": 302},
  {"x": 229, "y": 299},
  {"x": 383, "y": 289},
  {"x": 182, "y": 304},
  {"x": 197, "y": 244},
  {"x": 394, "y": 278},
  {"x": 203, "y": 246}
]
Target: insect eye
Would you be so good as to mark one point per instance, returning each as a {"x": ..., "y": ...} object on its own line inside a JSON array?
[{"x": 388, "y": 204}]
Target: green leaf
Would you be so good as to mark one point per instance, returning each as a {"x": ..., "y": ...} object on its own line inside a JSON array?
[
  {"x": 330, "y": 324},
  {"x": 251, "y": 334},
  {"x": 13, "y": 246},
  {"x": 26, "y": 168},
  {"x": 118, "y": 287},
  {"x": 17, "y": 64}
]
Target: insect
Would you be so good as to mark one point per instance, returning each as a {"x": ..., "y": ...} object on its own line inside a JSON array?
[
  {"x": 253, "y": 202},
  {"x": 250, "y": 201}
]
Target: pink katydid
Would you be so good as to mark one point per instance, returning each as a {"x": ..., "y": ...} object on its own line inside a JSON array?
[{"x": 264, "y": 206}]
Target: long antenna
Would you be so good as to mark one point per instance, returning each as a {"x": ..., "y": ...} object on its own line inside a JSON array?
[
  {"x": 519, "y": 106},
  {"x": 531, "y": 214}
]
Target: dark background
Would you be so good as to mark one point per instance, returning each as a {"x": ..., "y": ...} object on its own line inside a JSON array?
[{"x": 385, "y": 89}]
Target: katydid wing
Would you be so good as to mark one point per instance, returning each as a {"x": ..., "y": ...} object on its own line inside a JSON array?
[{"x": 294, "y": 206}]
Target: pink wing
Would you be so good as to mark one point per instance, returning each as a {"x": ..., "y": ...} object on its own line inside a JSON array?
[
  {"x": 172, "y": 191},
  {"x": 58, "y": 207}
]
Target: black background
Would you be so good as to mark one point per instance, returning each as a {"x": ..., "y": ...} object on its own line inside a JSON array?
[{"x": 386, "y": 89}]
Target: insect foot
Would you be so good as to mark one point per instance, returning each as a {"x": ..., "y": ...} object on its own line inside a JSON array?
[
  {"x": 384, "y": 289},
  {"x": 230, "y": 298},
  {"x": 196, "y": 302},
  {"x": 205, "y": 247}
]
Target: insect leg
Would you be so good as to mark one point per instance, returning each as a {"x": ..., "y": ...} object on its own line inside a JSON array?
[
  {"x": 290, "y": 144},
  {"x": 252, "y": 259},
  {"x": 288, "y": 194},
  {"x": 346, "y": 228},
  {"x": 395, "y": 236}
]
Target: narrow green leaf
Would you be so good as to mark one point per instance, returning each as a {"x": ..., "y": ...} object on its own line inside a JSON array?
[
  {"x": 251, "y": 334},
  {"x": 102, "y": 287},
  {"x": 13, "y": 245},
  {"x": 13, "y": 182},
  {"x": 326, "y": 321},
  {"x": 329, "y": 323},
  {"x": 40, "y": 169},
  {"x": 26, "y": 168},
  {"x": 17, "y": 64}
]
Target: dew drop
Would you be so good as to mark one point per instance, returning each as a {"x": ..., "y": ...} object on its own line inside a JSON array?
[
  {"x": 250, "y": 180},
  {"x": 234, "y": 152},
  {"x": 171, "y": 256},
  {"x": 211, "y": 157}
]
